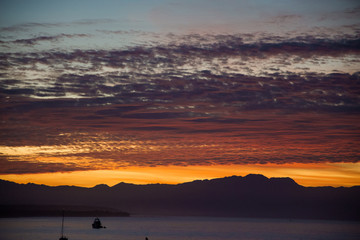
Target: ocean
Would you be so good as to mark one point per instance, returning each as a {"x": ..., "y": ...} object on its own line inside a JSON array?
[{"x": 177, "y": 228}]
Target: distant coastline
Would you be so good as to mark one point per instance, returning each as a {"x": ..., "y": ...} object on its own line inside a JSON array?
[{"x": 56, "y": 211}]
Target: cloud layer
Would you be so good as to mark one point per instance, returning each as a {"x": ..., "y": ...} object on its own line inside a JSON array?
[{"x": 190, "y": 100}]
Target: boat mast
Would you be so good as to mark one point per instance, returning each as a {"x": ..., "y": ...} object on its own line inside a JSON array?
[{"x": 62, "y": 225}]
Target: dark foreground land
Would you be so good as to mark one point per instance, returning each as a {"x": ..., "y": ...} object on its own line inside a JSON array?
[{"x": 250, "y": 196}]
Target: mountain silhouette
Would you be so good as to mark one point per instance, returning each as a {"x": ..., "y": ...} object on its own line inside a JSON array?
[{"x": 249, "y": 196}]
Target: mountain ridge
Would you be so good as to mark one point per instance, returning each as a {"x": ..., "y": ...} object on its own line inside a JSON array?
[
  {"x": 253, "y": 195},
  {"x": 102, "y": 185}
]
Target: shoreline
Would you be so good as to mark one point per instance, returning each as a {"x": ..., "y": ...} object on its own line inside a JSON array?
[{"x": 8, "y": 211}]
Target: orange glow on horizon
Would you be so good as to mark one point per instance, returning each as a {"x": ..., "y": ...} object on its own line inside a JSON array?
[{"x": 324, "y": 174}]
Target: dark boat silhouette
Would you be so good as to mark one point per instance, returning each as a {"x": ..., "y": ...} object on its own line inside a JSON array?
[
  {"x": 62, "y": 228},
  {"x": 97, "y": 224}
]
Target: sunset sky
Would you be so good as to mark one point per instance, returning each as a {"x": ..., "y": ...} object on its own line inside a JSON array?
[{"x": 169, "y": 91}]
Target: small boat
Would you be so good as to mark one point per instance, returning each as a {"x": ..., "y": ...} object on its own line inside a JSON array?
[
  {"x": 97, "y": 224},
  {"x": 62, "y": 229}
]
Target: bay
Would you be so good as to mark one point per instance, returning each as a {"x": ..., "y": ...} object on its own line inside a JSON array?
[{"x": 177, "y": 228}]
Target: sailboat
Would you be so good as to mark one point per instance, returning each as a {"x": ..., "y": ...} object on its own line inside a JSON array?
[
  {"x": 97, "y": 224},
  {"x": 62, "y": 229}
]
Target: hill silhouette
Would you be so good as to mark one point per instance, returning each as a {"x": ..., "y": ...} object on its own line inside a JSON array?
[{"x": 249, "y": 196}]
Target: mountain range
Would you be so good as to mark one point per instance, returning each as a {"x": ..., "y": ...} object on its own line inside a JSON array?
[{"x": 235, "y": 196}]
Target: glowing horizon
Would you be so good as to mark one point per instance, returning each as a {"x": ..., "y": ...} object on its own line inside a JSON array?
[{"x": 308, "y": 175}]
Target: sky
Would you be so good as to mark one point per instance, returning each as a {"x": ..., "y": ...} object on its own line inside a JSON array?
[{"x": 170, "y": 91}]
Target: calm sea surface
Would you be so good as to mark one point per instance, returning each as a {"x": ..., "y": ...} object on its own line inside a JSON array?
[{"x": 177, "y": 228}]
